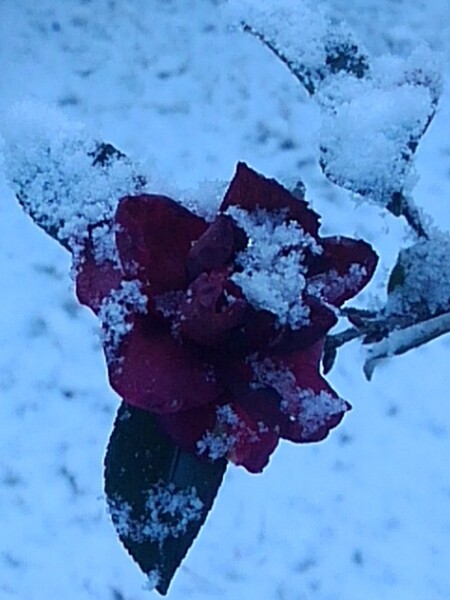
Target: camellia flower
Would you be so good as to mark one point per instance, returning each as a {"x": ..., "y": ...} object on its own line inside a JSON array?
[{"x": 217, "y": 328}]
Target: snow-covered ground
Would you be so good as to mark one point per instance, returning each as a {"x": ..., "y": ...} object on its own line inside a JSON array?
[{"x": 364, "y": 514}]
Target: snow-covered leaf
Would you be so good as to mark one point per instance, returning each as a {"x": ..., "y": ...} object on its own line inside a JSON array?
[{"x": 158, "y": 495}]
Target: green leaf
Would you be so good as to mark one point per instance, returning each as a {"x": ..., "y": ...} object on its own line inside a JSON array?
[
  {"x": 396, "y": 278},
  {"x": 158, "y": 495}
]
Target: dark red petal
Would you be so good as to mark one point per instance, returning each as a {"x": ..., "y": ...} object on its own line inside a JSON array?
[
  {"x": 242, "y": 440},
  {"x": 209, "y": 313},
  {"x": 343, "y": 269},
  {"x": 250, "y": 190},
  {"x": 154, "y": 237},
  {"x": 213, "y": 249},
  {"x": 321, "y": 320},
  {"x": 186, "y": 428},
  {"x": 316, "y": 409},
  {"x": 152, "y": 371},
  {"x": 254, "y": 442},
  {"x": 94, "y": 281},
  {"x": 285, "y": 395}
]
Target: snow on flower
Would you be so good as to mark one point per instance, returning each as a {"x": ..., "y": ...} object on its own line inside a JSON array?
[{"x": 195, "y": 313}]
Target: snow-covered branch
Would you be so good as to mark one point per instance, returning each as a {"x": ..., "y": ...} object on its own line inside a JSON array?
[{"x": 400, "y": 341}]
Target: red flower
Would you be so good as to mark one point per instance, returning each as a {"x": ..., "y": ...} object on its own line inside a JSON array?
[{"x": 218, "y": 328}]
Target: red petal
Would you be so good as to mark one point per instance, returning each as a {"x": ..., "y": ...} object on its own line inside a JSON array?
[
  {"x": 250, "y": 190},
  {"x": 241, "y": 439},
  {"x": 95, "y": 281},
  {"x": 321, "y": 320},
  {"x": 254, "y": 443},
  {"x": 292, "y": 399},
  {"x": 187, "y": 427},
  {"x": 312, "y": 406},
  {"x": 343, "y": 269},
  {"x": 154, "y": 237},
  {"x": 213, "y": 249},
  {"x": 152, "y": 371},
  {"x": 209, "y": 314}
]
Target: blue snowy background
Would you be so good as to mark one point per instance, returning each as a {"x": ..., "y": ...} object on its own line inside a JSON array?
[{"x": 365, "y": 514}]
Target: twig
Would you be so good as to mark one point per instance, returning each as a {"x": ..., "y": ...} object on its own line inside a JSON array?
[
  {"x": 387, "y": 335},
  {"x": 399, "y": 342}
]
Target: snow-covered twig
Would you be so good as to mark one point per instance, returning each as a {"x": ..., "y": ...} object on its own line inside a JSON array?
[
  {"x": 400, "y": 341},
  {"x": 387, "y": 334}
]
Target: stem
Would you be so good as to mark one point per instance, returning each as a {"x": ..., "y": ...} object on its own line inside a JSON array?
[
  {"x": 401, "y": 205},
  {"x": 388, "y": 335},
  {"x": 399, "y": 342}
]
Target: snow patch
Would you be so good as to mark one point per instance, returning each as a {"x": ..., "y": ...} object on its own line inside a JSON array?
[
  {"x": 116, "y": 314},
  {"x": 168, "y": 512},
  {"x": 273, "y": 264},
  {"x": 49, "y": 163},
  {"x": 424, "y": 277}
]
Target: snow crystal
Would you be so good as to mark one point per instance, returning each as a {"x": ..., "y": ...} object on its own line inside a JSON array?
[
  {"x": 116, "y": 312},
  {"x": 121, "y": 514},
  {"x": 168, "y": 512},
  {"x": 204, "y": 199},
  {"x": 273, "y": 264},
  {"x": 217, "y": 444},
  {"x": 423, "y": 277},
  {"x": 49, "y": 163}
]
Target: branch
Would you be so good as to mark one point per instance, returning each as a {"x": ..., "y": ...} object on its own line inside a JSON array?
[
  {"x": 399, "y": 342},
  {"x": 387, "y": 335}
]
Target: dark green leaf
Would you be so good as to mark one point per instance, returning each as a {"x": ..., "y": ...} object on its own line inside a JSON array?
[{"x": 159, "y": 495}]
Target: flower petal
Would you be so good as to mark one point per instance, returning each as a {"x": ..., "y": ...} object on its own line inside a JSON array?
[
  {"x": 213, "y": 249},
  {"x": 343, "y": 269},
  {"x": 221, "y": 430},
  {"x": 250, "y": 190},
  {"x": 311, "y": 405},
  {"x": 209, "y": 312},
  {"x": 154, "y": 237},
  {"x": 321, "y": 320},
  {"x": 187, "y": 427},
  {"x": 95, "y": 280},
  {"x": 254, "y": 442},
  {"x": 152, "y": 371},
  {"x": 288, "y": 395}
]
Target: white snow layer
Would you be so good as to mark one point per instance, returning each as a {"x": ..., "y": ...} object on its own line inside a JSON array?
[
  {"x": 48, "y": 161},
  {"x": 369, "y": 123},
  {"x": 273, "y": 264}
]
